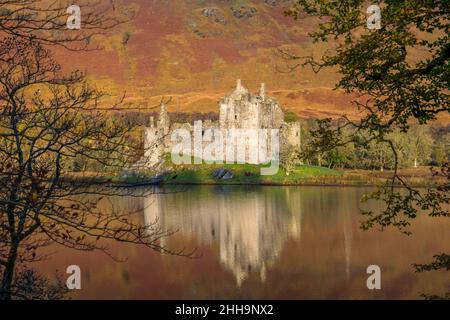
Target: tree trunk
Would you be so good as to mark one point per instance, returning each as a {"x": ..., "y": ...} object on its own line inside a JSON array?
[
  {"x": 8, "y": 275},
  {"x": 415, "y": 162}
]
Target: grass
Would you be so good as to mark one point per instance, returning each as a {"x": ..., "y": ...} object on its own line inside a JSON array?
[
  {"x": 246, "y": 174},
  {"x": 301, "y": 175}
]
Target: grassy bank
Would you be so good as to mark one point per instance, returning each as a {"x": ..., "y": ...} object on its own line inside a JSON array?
[
  {"x": 300, "y": 175},
  {"x": 246, "y": 174}
]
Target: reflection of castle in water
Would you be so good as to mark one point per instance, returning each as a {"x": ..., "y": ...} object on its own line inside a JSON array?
[{"x": 250, "y": 226}]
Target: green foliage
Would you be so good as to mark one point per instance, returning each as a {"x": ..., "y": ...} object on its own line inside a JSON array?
[
  {"x": 347, "y": 147},
  {"x": 290, "y": 117},
  {"x": 441, "y": 150},
  {"x": 247, "y": 174},
  {"x": 126, "y": 37},
  {"x": 439, "y": 154},
  {"x": 402, "y": 74},
  {"x": 290, "y": 159},
  {"x": 441, "y": 261},
  {"x": 384, "y": 63}
]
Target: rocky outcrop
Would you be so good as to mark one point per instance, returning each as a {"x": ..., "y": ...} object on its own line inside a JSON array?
[
  {"x": 276, "y": 3},
  {"x": 214, "y": 14},
  {"x": 243, "y": 12},
  {"x": 222, "y": 174}
]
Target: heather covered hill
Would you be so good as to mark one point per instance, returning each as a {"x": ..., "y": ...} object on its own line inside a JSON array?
[{"x": 194, "y": 50}]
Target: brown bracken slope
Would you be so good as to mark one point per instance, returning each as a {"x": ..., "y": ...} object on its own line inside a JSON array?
[{"x": 194, "y": 50}]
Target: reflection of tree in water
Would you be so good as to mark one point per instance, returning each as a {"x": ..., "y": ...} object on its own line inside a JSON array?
[{"x": 249, "y": 224}]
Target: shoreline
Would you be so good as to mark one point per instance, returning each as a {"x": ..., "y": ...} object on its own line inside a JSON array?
[{"x": 194, "y": 178}]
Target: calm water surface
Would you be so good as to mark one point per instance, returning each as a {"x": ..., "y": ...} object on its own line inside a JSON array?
[{"x": 261, "y": 243}]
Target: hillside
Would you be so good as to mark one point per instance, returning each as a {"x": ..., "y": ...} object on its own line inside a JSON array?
[{"x": 194, "y": 50}]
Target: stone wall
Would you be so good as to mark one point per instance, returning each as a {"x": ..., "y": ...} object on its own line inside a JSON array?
[{"x": 239, "y": 110}]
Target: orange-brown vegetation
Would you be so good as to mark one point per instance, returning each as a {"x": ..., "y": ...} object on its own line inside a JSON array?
[{"x": 177, "y": 49}]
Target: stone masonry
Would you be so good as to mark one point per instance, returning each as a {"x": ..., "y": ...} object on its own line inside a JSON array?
[{"x": 239, "y": 110}]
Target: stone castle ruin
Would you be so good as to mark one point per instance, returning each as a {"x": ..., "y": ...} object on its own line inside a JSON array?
[{"x": 239, "y": 110}]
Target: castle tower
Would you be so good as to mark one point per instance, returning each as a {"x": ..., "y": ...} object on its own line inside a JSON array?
[
  {"x": 164, "y": 121},
  {"x": 238, "y": 85},
  {"x": 294, "y": 134},
  {"x": 152, "y": 122},
  {"x": 262, "y": 91}
]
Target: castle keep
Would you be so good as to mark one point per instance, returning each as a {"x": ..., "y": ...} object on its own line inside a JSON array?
[{"x": 239, "y": 110}]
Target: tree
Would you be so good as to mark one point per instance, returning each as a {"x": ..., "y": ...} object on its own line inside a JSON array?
[
  {"x": 290, "y": 159},
  {"x": 420, "y": 145},
  {"x": 46, "y": 120},
  {"x": 441, "y": 149},
  {"x": 439, "y": 155},
  {"x": 46, "y": 21},
  {"x": 376, "y": 155},
  {"x": 395, "y": 85},
  {"x": 344, "y": 155},
  {"x": 41, "y": 132}
]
